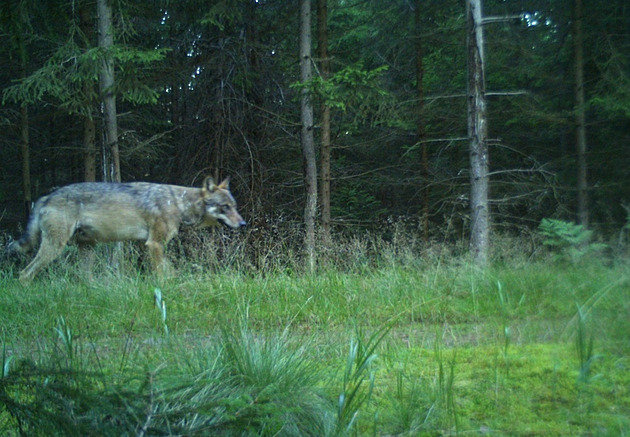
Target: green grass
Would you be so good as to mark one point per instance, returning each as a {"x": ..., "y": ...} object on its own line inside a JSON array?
[{"x": 523, "y": 348}]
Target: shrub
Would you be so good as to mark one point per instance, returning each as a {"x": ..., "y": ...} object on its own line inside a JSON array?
[{"x": 571, "y": 241}]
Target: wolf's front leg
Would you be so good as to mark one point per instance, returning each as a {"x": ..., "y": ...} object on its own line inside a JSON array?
[{"x": 160, "y": 264}]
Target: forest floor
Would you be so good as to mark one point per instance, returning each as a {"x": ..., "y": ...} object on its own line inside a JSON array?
[{"x": 405, "y": 348}]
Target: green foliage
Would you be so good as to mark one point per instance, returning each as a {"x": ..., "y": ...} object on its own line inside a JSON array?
[
  {"x": 6, "y": 361},
  {"x": 70, "y": 77},
  {"x": 46, "y": 401},
  {"x": 299, "y": 363},
  {"x": 359, "y": 369},
  {"x": 269, "y": 351},
  {"x": 561, "y": 234},
  {"x": 66, "y": 338},
  {"x": 214, "y": 72},
  {"x": 617, "y": 104},
  {"x": 160, "y": 306},
  {"x": 251, "y": 387},
  {"x": 279, "y": 382},
  {"x": 612, "y": 96},
  {"x": 413, "y": 405},
  {"x": 242, "y": 384},
  {"x": 351, "y": 86},
  {"x": 584, "y": 348},
  {"x": 351, "y": 201},
  {"x": 570, "y": 240},
  {"x": 354, "y": 90},
  {"x": 223, "y": 14}
]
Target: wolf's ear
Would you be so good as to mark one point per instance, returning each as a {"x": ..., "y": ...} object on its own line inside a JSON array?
[
  {"x": 225, "y": 184},
  {"x": 209, "y": 185}
]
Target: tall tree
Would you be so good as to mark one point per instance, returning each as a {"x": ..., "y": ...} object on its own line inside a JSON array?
[
  {"x": 25, "y": 147},
  {"x": 478, "y": 135},
  {"x": 308, "y": 142},
  {"x": 106, "y": 79},
  {"x": 89, "y": 128},
  {"x": 16, "y": 16},
  {"x": 580, "y": 118},
  {"x": 420, "y": 129},
  {"x": 227, "y": 86},
  {"x": 324, "y": 152}
]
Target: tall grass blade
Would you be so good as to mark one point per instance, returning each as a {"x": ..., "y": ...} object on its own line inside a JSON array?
[
  {"x": 160, "y": 305},
  {"x": 358, "y": 370},
  {"x": 584, "y": 348},
  {"x": 6, "y": 360},
  {"x": 64, "y": 333}
]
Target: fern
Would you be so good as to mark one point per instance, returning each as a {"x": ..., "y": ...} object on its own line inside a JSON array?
[{"x": 570, "y": 240}]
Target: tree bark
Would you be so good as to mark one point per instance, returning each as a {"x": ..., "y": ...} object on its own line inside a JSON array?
[
  {"x": 308, "y": 144},
  {"x": 26, "y": 158},
  {"x": 325, "y": 146},
  {"x": 89, "y": 130},
  {"x": 420, "y": 128},
  {"x": 580, "y": 117},
  {"x": 17, "y": 25},
  {"x": 106, "y": 42},
  {"x": 25, "y": 147},
  {"x": 89, "y": 147},
  {"x": 478, "y": 134}
]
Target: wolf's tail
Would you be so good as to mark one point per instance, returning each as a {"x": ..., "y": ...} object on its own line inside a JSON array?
[{"x": 30, "y": 238}]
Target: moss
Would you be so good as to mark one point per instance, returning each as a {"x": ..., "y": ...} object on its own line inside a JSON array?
[{"x": 531, "y": 390}]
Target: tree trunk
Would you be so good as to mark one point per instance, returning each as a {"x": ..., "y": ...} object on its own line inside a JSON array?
[
  {"x": 89, "y": 147},
  {"x": 89, "y": 130},
  {"x": 420, "y": 130},
  {"x": 580, "y": 118},
  {"x": 26, "y": 158},
  {"x": 478, "y": 134},
  {"x": 308, "y": 144},
  {"x": 25, "y": 147},
  {"x": 106, "y": 42},
  {"x": 24, "y": 119},
  {"x": 324, "y": 153}
]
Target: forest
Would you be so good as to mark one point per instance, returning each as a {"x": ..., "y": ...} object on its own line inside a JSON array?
[
  {"x": 214, "y": 88},
  {"x": 438, "y": 218}
]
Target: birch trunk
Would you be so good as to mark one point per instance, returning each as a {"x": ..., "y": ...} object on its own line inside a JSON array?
[
  {"x": 478, "y": 134},
  {"x": 324, "y": 152},
  {"x": 89, "y": 129},
  {"x": 580, "y": 118},
  {"x": 420, "y": 129},
  {"x": 106, "y": 42},
  {"x": 308, "y": 144}
]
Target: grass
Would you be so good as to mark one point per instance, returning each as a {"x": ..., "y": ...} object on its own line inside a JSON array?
[{"x": 404, "y": 344}]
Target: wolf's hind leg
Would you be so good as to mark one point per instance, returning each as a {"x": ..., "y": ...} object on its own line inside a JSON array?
[
  {"x": 48, "y": 251},
  {"x": 87, "y": 255}
]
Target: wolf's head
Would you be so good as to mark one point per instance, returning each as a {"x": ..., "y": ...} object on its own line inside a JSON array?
[{"x": 219, "y": 203}]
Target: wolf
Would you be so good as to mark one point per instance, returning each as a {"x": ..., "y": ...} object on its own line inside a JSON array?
[{"x": 91, "y": 212}]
